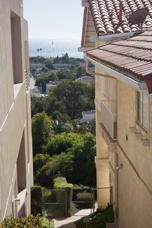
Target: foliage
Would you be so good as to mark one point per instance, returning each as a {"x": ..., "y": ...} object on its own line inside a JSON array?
[
  {"x": 60, "y": 165},
  {"x": 66, "y": 74},
  {"x": 70, "y": 97},
  {"x": 43, "y": 79},
  {"x": 84, "y": 154},
  {"x": 38, "y": 104},
  {"x": 98, "y": 219},
  {"x": 41, "y": 131},
  {"x": 39, "y": 161},
  {"x": 29, "y": 222},
  {"x": 62, "y": 142},
  {"x": 64, "y": 59},
  {"x": 86, "y": 127},
  {"x": 80, "y": 71},
  {"x": 71, "y": 154},
  {"x": 61, "y": 182},
  {"x": 66, "y": 101},
  {"x": 36, "y": 200}
]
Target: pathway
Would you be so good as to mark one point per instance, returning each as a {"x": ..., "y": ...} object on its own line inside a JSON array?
[{"x": 69, "y": 222}]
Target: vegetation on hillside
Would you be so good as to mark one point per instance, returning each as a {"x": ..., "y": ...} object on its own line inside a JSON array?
[{"x": 62, "y": 146}]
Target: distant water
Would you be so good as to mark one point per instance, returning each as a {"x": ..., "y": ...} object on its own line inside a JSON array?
[{"x": 53, "y": 48}]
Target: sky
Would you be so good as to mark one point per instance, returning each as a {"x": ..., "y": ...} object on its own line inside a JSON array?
[{"x": 54, "y": 19}]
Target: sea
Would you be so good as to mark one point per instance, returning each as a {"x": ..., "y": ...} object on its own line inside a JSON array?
[{"x": 54, "y": 48}]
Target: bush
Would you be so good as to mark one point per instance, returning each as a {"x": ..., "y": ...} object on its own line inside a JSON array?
[
  {"x": 29, "y": 222},
  {"x": 36, "y": 200},
  {"x": 61, "y": 182},
  {"x": 97, "y": 220},
  {"x": 61, "y": 164}
]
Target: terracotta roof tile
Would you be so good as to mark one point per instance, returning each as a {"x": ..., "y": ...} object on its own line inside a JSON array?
[
  {"x": 106, "y": 15},
  {"x": 133, "y": 56}
]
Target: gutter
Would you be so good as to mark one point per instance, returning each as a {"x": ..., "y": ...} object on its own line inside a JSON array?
[
  {"x": 117, "y": 35},
  {"x": 138, "y": 85}
]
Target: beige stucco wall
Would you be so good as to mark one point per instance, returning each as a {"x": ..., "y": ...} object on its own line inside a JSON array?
[
  {"x": 131, "y": 184},
  {"x": 14, "y": 113}
]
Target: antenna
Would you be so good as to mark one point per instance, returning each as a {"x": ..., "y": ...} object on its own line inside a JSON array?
[{"x": 138, "y": 17}]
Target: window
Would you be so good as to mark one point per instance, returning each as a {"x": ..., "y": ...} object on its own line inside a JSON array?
[
  {"x": 16, "y": 48},
  {"x": 142, "y": 109}
]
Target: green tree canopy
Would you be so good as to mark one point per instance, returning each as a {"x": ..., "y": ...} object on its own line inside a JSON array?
[
  {"x": 41, "y": 131},
  {"x": 63, "y": 142},
  {"x": 72, "y": 96},
  {"x": 60, "y": 165},
  {"x": 72, "y": 156},
  {"x": 43, "y": 79}
]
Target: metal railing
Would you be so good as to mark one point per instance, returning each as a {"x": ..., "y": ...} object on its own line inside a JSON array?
[{"x": 109, "y": 118}]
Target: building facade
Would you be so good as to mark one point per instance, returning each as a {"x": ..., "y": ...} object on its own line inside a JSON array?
[
  {"x": 15, "y": 117},
  {"x": 123, "y": 86}
]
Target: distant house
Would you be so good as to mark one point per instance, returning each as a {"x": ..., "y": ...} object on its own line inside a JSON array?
[
  {"x": 86, "y": 79},
  {"x": 117, "y": 39},
  {"x": 87, "y": 116}
]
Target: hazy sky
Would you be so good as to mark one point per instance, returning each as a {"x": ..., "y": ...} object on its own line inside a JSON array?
[{"x": 54, "y": 19}]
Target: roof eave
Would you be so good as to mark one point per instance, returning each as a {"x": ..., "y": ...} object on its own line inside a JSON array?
[{"x": 137, "y": 84}]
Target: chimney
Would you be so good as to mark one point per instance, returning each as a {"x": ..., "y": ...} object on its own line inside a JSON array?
[{"x": 85, "y": 3}]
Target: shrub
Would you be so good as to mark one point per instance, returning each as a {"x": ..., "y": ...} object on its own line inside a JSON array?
[
  {"x": 61, "y": 182},
  {"x": 29, "y": 222}
]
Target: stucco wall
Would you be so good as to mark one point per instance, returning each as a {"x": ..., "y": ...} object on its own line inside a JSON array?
[
  {"x": 14, "y": 112},
  {"x": 132, "y": 183}
]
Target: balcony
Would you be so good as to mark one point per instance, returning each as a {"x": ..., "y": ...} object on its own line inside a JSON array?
[
  {"x": 109, "y": 118},
  {"x": 21, "y": 198}
]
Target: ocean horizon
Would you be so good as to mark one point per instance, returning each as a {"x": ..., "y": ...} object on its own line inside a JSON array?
[{"x": 53, "y": 48}]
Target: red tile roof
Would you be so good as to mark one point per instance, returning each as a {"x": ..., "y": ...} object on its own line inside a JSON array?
[
  {"x": 107, "y": 14},
  {"x": 133, "y": 56}
]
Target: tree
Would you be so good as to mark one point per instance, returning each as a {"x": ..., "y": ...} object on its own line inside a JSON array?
[
  {"x": 84, "y": 151},
  {"x": 38, "y": 104},
  {"x": 43, "y": 79},
  {"x": 60, "y": 165},
  {"x": 41, "y": 131},
  {"x": 62, "y": 143},
  {"x": 72, "y": 156},
  {"x": 72, "y": 95},
  {"x": 66, "y": 74},
  {"x": 80, "y": 71}
]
